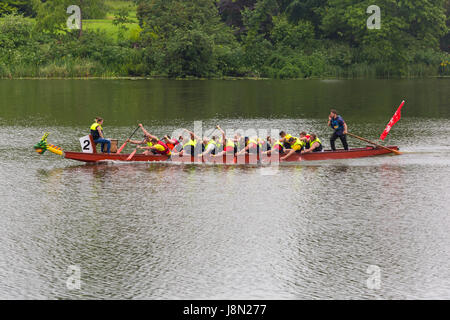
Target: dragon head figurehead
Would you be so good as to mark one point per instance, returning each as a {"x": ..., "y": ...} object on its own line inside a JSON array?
[{"x": 42, "y": 145}]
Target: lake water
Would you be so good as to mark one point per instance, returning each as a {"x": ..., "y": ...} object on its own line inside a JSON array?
[{"x": 314, "y": 230}]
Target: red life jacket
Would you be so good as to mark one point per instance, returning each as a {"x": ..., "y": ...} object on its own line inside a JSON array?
[
  {"x": 166, "y": 150},
  {"x": 172, "y": 145}
]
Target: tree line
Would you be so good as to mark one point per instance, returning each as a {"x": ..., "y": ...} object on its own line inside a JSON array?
[{"x": 230, "y": 38}]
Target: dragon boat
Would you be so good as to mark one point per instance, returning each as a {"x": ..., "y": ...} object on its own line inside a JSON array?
[{"x": 95, "y": 157}]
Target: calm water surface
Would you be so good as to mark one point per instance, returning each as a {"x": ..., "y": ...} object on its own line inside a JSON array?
[{"x": 168, "y": 231}]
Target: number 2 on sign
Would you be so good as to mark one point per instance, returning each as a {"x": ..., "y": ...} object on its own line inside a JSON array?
[{"x": 86, "y": 145}]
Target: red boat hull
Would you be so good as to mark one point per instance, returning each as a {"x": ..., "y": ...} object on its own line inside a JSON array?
[{"x": 247, "y": 159}]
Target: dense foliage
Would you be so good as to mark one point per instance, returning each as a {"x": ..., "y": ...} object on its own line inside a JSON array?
[
  {"x": 16, "y": 6},
  {"x": 216, "y": 38}
]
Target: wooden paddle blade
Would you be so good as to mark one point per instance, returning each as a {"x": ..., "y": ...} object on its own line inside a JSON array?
[
  {"x": 121, "y": 148},
  {"x": 131, "y": 155}
]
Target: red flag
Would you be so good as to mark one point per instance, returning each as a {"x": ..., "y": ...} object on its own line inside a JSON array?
[{"x": 395, "y": 118}]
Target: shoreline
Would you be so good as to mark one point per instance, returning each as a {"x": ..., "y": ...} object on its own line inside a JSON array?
[{"x": 221, "y": 78}]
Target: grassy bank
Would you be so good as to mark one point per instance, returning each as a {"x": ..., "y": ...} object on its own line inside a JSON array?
[
  {"x": 132, "y": 30},
  {"x": 129, "y": 30},
  {"x": 92, "y": 70}
]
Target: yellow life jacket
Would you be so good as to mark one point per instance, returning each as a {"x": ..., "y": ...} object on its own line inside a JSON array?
[
  {"x": 210, "y": 142},
  {"x": 191, "y": 142},
  {"x": 95, "y": 125},
  {"x": 250, "y": 141},
  {"x": 230, "y": 143},
  {"x": 319, "y": 148},
  {"x": 162, "y": 150},
  {"x": 277, "y": 142},
  {"x": 298, "y": 144},
  {"x": 150, "y": 144},
  {"x": 94, "y": 130}
]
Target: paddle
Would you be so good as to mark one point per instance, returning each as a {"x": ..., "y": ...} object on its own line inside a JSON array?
[
  {"x": 123, "y": 146},
  {"x": 132, "y": 154},
  {"x": 378, "y": 145}
]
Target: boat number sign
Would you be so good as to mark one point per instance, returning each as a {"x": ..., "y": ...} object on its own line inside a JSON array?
[{"x": 86, "y": 145}]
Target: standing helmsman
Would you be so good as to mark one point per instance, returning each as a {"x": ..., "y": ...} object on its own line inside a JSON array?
[{"x": 337, "y": 123}]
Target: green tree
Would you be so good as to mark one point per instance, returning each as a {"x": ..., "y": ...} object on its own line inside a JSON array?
[
  {"x": 259, "y": 19},
  {"x": 16, "y": 6},
  {"x": 445, "y": 41},
  {"x": 422, "y": 20},
  {"x": 51, "y": 16},
  {"x": 6, "y": 9},
  {"x": 307, "y": 10},
  {"x": 184, "y": 37},
  {"x": 294, "y": 35},
  {"x": 406, "y": 26},
  {"x": 230, "y": 12},
  {"x": 120, "y": 20}
]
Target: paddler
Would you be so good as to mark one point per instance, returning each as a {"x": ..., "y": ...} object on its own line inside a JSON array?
[
  {"x": 337, "y": 123},
  {"x": 171, "y": 143},
  {"x": 305, "y": 138},
  {"x": 97, "y": 134},
  {"x": 296, "y": 146},
  {"x": 211, "y": 146},
  {"x": 251, "y": 146},
  {"x": 276, "y": 146},
  {"x": 264, "y": 144},
  {"x": 315, "y": 145},
  {"x": 229, "y": 146},
  {"x": 284, "y": 138},
  {"x": 239, "y": 141},
  {"x": 176, "y": 143},
  {"x": 157, "y": 146},
  {"x": 146, "y": 141},
  {"x": 192, "y": 146}
]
